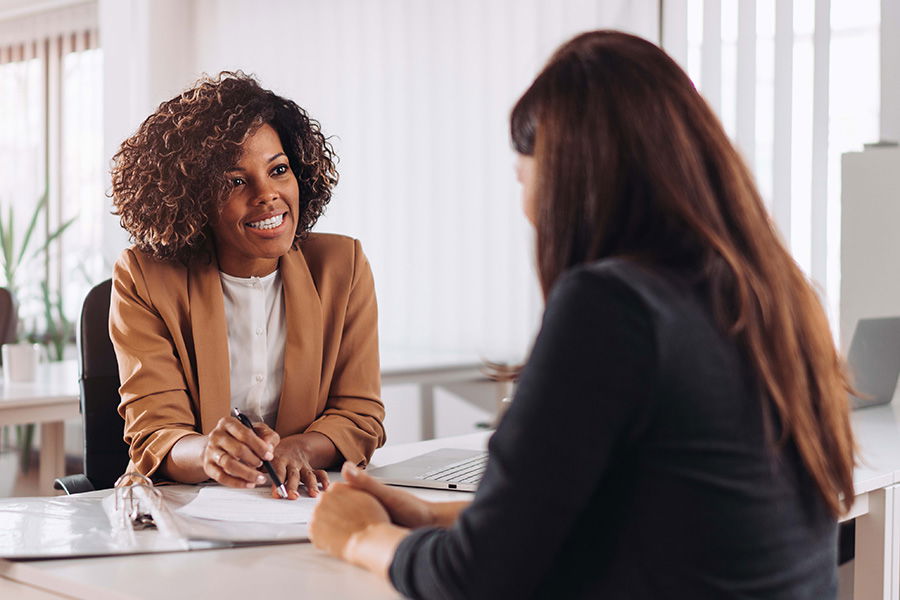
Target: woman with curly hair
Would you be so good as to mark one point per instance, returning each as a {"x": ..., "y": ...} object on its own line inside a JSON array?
[{"x": 226, "y": 300}]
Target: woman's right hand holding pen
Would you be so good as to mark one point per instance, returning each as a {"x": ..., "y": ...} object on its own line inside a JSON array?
[{"x": 234, "y": 453}]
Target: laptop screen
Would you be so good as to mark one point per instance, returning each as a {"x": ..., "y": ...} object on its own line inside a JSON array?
[{"x": 874, "y": 361}]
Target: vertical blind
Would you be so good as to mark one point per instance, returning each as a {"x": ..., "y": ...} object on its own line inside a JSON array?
[{"x": 795, "y": 84}]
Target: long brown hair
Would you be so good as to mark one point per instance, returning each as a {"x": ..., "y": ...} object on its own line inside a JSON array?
[{"x": 632, "y": 162}]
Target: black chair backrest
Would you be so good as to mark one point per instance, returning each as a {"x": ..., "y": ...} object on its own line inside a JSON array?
[
  {"x": 8, "y": 317},
  {"x": 105, "y": 452}
]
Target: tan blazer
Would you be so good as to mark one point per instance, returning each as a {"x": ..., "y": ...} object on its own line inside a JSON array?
[{"x": 167, "y": 323}]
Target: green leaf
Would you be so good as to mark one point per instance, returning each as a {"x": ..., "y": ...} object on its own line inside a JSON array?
[
  {"x": 48, "y": 310},
  {"x": 38, "y": 209},
  {"x": 62, "y": 229},
  {"x": 9, "y": 266}
]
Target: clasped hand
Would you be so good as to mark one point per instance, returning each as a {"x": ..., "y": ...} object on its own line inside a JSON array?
[
  {"x": 233, "y": 456},
  {"x": 352, "y": 508}
]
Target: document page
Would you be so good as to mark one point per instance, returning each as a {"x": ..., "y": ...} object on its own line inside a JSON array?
[{"x": 255, "y": 505}]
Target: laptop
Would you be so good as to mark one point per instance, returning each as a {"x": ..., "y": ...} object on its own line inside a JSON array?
[
  {"x": 444, "y": 469},
  {"x": 874, "y": 361}
]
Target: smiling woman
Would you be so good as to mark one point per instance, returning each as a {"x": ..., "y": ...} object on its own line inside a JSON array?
[
  {"x": 256, "y": 225},
  {"x": 219, "y": 189}
]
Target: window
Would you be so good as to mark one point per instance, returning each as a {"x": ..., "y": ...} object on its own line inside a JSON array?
[
  {"x": 50, "y": 147},
  {"x": 796, "y": 84}
]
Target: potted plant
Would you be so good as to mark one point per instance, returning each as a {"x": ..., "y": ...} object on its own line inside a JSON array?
[{"x": 13, "y": 258}]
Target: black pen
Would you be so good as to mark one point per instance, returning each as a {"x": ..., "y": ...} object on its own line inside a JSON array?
[{"x": 282, "y": 491}]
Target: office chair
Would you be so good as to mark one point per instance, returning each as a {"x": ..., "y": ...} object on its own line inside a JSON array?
[
  {"x": 8, "y": 317},
  {"x": 105, "y": 452}
]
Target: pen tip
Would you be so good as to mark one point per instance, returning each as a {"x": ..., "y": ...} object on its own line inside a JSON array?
[{"x": 282, "y": 491}]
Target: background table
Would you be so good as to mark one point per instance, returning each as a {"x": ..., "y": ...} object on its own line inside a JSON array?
[
  {"x": 428, "y": 369},
  {"x": 54, "y": 397},
  {"x": 877, "y": 505},
  {"x": 49, "y": 400}
]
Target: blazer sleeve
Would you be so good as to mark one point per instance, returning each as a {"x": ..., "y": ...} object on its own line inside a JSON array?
[
  {"x": 155, "y": 402},
  {"x": 580, "y": 406},
  {"x": 354, "y": 413}
]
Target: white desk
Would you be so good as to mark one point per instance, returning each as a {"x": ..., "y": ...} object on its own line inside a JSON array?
[
  {"x": 49, "y": 400},
  {"x": 238, "y": 573},
  {"x": 277, "y": 571},
  {"x": 877, "y": 505}
]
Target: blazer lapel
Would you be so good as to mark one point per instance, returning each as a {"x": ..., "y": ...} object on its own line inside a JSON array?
[
  {"x": 210, "y": 342},
  {"x": 298, "y": 404}
]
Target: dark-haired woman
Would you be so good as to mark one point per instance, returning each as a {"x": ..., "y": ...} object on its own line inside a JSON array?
[
  {"x": 680, "y": 429},
  {"x": 227, "y": 301}
]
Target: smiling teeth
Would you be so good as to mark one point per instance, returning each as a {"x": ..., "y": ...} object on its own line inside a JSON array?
[{"x": 270, "y": 223}]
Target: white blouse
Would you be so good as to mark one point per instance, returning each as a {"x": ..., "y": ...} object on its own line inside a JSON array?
[{"x": 254, "y": 314}]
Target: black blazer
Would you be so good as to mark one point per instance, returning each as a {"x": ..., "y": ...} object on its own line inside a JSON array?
[{"x": 631, "y": 464}]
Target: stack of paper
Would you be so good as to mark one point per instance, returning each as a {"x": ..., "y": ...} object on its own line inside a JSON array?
[{"x": 255, "y": 505}]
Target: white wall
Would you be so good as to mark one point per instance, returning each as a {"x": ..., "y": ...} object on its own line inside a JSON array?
[
  {"x": 148, "y": 57},
  {"x": 417, "y": 94},
  {"x": 870, "y": 254}
]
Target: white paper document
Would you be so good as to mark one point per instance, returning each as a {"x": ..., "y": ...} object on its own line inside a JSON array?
[{"x": 255, "y": 505}]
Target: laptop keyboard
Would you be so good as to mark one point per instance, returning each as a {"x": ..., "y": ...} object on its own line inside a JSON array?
[{"x": 464, "y": 471}]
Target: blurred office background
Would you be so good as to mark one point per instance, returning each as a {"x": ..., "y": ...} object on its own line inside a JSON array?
[{"x": 416, "y": 94}]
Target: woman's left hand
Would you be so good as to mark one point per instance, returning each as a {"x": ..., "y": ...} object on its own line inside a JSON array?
[
  {"x": 339, "y": 515},
  {"x": 293, "y": 465}
]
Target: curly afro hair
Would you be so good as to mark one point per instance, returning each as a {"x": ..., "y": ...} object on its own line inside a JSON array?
[{"x": 168, "y": 179}]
